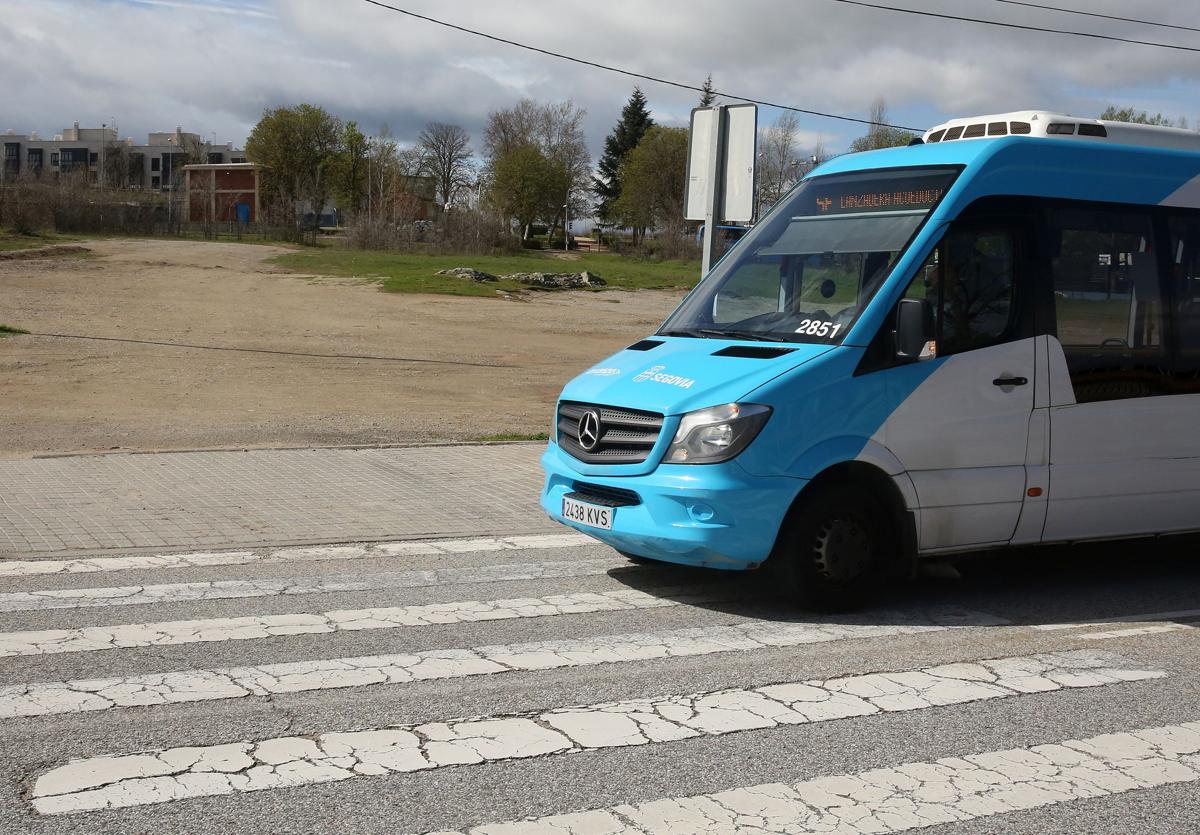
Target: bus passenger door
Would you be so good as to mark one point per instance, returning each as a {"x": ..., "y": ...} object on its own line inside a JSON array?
[{"x": 962, "y": 428}]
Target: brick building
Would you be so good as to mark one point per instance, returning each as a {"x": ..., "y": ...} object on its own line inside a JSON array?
[{"x": 222, "y": 192}]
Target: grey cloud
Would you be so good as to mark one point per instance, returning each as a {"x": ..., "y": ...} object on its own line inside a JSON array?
[{"x": 200, "y": 64}]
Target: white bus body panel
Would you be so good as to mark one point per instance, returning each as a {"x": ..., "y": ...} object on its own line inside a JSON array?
[{"x": 1120, "y": 467}]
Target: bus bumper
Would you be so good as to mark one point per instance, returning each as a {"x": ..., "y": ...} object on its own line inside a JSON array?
[{"x": 710, "y": 515}]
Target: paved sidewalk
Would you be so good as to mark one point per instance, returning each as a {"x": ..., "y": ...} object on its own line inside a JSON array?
[{"x": 267, "y": 497}]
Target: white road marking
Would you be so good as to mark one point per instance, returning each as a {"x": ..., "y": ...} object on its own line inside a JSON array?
[
  {"x": 1147, "y": 616},
  {"x": 31, "y": 601},
  {"x": 97, "y": 638},
  {"x": 905, "y": 797},
  {"x": 245, "y": 766},
  {"x": 84, "y": 695},
  {"x": 85, "y": 565},
  {"x": 1134, "y": 631}
]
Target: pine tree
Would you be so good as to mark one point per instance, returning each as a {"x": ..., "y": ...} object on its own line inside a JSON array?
[
  {"x": 708, "y": 96},
  {"x": 635, "y": 121}
]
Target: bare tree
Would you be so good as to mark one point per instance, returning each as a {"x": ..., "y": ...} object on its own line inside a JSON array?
[
  {"x": 381, "y": 172},
  {"x": 23, "y": 205},
  {"x": 879, "y": 135},
  {"x": 115, "y": 165},
  {"x": 399, "y": 192},
  {"x": 780, "y": 161},
  {"x": 196, "y": 150},
  {"x": 447, "y": 150},
  {"x": 560, "y": 128},
  {"x": 508, "y": 130},
  {"x": 202, "y": 206},
  {"x": 819, "y": 154}
]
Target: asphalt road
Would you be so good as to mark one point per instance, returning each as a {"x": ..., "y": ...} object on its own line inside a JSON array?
[{"x": 1049, "y": 692}]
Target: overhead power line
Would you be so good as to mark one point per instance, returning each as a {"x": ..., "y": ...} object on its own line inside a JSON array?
[
  {"x": 1024, "y": 27},
  {"x": 633, "y": 74},
  {"x": 1098, "y": 14}
]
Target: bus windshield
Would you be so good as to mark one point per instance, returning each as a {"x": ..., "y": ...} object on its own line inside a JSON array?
[{"x": 808, "y": 269}]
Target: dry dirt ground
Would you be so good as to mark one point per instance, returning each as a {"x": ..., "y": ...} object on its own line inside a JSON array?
[{"x": 448, "y": 368}]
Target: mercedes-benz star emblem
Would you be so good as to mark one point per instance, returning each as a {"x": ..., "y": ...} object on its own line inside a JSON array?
[{"x": 589, "y": 430}]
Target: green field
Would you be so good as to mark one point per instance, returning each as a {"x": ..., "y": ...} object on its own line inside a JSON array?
[{"x": 408, "y": 273}]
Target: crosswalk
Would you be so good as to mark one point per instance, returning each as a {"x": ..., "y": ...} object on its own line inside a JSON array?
[
  {"x": 80, "y": 695},
  {"x": 909, "y": 796},
  {"x": 318, "y": 553},
  {"x": 464, "y": 658}
]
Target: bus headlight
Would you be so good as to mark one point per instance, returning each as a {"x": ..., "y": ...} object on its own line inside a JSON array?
[{"x": 716, "y": 434}]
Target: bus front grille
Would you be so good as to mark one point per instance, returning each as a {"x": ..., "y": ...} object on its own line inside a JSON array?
[{"x": 615, "y": 435}]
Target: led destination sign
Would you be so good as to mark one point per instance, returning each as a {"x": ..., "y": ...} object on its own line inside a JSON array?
[
  {"x": 881, "y": 192},
  {"x": 883, "y": 200}
]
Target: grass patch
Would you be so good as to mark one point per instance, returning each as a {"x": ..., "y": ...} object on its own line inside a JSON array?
[
  {"x": 10, "y": 241},
  {"x": 416, "y": 273},
  {"x": 516, "y": 436},
  {"x": 9, "y": 330}
]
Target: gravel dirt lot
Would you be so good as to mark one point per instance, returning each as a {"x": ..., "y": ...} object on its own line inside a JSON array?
[{"x": 391, "y": 368}]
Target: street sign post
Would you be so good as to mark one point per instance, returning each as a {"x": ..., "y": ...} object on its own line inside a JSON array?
[{"x": 722, "y": 148}]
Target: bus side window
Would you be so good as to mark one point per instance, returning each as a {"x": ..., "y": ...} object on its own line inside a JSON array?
[
  {"x": 1185, "y": 280},
  {"x": 1108, "y": 303},
  {"x": 969, "y": 280}
]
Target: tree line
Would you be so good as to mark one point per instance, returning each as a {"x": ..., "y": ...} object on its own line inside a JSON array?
[
  {"x": 529, "y": 169},
  {"x": 530, "y": 166}
]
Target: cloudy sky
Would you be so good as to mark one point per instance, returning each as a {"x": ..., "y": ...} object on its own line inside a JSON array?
[{"x": 212, "y": 66}]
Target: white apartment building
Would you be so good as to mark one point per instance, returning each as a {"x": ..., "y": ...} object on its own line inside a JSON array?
[{"x": 103, "y": 158}]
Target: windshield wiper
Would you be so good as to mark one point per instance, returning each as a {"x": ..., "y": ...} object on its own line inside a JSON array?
[
  {"x": 750, "y": 336},
  {"x": 717, "y": 333},
  {"x": 689, "y": 332}
]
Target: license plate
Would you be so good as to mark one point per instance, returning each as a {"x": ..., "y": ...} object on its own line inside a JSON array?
[{"x": 592, "y": 515}]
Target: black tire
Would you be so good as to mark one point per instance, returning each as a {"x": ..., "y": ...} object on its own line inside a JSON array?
[{"x": 831, "y": 551}]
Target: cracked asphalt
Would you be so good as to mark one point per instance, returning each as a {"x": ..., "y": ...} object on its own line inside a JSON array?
[{"x": 525, "y": 685}]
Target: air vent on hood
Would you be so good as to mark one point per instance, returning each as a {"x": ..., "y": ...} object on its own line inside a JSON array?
[
  {"x": 752, "y": 352},
  {"x": 644, "y": 345}
]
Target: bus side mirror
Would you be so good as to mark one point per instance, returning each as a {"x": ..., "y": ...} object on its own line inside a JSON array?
[{"x": 914, "y": 330}]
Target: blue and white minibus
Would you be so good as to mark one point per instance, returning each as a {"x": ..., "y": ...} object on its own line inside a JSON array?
[{"x": 988, "y": 338}]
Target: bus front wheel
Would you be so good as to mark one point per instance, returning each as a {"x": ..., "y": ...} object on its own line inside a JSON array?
[{"x": 832, "y": 548}]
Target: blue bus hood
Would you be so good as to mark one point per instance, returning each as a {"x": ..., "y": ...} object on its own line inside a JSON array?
[{"x": 682, "y": 374}]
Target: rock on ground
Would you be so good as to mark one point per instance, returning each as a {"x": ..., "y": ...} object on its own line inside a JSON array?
[
  {"x": 468, "y": 272},
  {"x": 553, "y": 281}
]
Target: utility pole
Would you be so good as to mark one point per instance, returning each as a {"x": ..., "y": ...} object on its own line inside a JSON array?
[{"x": 716, "y": 181}]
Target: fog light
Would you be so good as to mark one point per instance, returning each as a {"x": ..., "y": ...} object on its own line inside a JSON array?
[{"x": 701, "y": 512}]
